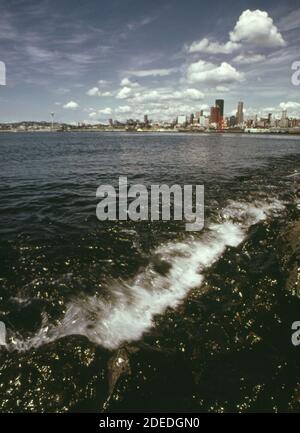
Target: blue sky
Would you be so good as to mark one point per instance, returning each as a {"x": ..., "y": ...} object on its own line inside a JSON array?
[{"x": 95, "y": 59}]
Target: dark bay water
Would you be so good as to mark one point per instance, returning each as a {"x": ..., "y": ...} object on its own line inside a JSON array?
[{"x": 64, "y": 273}]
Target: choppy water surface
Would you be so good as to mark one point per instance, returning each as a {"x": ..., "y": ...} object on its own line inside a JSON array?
[{"x": 149, "y": 289}]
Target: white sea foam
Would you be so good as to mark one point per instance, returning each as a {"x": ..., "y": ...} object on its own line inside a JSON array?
[{"x": 129, "y": 310}]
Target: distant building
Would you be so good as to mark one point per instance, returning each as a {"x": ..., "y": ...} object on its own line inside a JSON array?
[
  {"x": 203, "y": 122},
  {"x": 220, "y": 104},
  {"x": 181, "y": 120},
  {"x": 255, "y": 121},
  {"x": 215, "y": 116},
  {"x": 232, "y": 121},
  {"x": 284, "y": 122},
  {"x": 270, "y": 118},
  {"x": 240, "y": 113}
]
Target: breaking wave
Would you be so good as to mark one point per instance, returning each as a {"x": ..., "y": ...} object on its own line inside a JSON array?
[{"x": 128, "y": 312}]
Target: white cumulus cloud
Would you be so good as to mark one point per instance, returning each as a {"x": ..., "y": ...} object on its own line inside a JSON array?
[
  {"x": 290, "y": 105},
  {"x": 103, "y": 111},
  {"x": 106, "y": 111},
  {"x": 95, "y": 91},
  {"x": 123, "y": 109},
  {"x": 124, "y": 93},
  {"x": 126, "y": 82},
  {"x": 257, "y": 28},
  {"x": 71, "y": 105},
  {"x": 207, "y": 46},
  {"x": 205, "y": 72},
  {"x": 167, "y": 95}
]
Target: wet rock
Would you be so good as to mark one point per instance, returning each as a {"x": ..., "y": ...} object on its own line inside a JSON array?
[
  {"x": 149, "y": 379},
  {"x": 295, "y": 401},
  {"x": 66, "y": 375},
  {"x": 118, "y": 369},
  {"x": 289, "y": 256},
  {"x": 119, "y": 365}
]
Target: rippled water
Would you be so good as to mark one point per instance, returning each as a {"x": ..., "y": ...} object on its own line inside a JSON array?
[{"x": 63, "y": 272}]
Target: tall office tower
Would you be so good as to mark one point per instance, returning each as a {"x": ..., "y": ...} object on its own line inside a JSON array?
[
  {"x": 220, "y": 104},
  {"x": 255, "y": 121},
  {"x": 240, "y": 113},
  {"x": 146, "y": 120},
  {"x": 269, "y": 118},
  {"x": 284, "y": 122},
  {"x": 192, "y": 117},
  {"x": 201, "y": 112},
  {"x": 215, "y": 115}
]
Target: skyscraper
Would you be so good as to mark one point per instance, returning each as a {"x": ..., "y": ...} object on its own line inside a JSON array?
[
  {"x": 269, "y": 118},
  {"x": 215, "y": 115},
  {"x": 284, "y": 122},
  {"x": 220, "y": 104},
  {"x": 240, "y": 113}
]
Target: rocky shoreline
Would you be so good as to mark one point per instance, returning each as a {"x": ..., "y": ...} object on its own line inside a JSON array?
[
  {"x": 227, "y": 349},
  {"x": 289, "y": 245}
]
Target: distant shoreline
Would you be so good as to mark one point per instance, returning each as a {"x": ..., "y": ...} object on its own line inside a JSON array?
[{"x": 109, "y": 131}]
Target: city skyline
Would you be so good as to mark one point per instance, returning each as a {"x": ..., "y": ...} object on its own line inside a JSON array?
[
  {"x": 98, "y": 60},
  {"x": 200, "y": 121}
]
